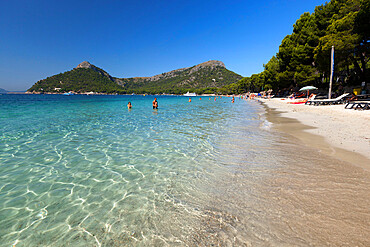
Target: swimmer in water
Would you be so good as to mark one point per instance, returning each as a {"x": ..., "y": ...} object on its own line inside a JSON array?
[
  {"x": 155, "y": 103},
  {"x": 129, "y": 106}
]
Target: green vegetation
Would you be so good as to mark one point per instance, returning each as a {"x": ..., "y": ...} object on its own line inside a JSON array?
[
  {"x": 304, "y": 56},
  {"x": 78, "y": 80},
  {"x": 204, "y": 78}
]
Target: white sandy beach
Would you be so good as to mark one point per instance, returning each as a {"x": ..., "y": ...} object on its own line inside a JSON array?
[{"x": 344, "y": 129}]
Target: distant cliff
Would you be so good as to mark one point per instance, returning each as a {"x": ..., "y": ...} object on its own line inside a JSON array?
[{"x": 87, "y": 77}]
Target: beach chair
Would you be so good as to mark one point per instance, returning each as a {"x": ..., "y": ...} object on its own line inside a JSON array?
[
  {"x": 363, "y": 105},
  {"x": 337, "y": 100}
]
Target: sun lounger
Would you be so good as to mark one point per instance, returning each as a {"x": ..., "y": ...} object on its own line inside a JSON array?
[
  {"x": 337, "y": 100},
  {"x": 363, "y": 105}
]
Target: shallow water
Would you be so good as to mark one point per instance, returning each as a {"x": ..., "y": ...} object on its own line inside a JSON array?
[{"x": 86, "y": 171}]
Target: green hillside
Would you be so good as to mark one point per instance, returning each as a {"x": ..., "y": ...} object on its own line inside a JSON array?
[
  {"x": 79, "y": 80},
  {"x": 203, "y": 78},
  {"x": 206, "y": 77}
]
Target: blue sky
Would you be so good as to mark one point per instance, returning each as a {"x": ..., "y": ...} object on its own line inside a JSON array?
[{"x": 41, "y": 38}]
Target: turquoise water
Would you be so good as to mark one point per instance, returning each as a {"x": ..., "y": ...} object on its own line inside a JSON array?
[{"x": 86, "y": 171}]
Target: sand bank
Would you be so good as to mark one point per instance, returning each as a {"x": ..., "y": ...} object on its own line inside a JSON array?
[{"x": 342, "y": 133}]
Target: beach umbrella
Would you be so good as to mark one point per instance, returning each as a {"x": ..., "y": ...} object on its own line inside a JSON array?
[{"x": 307, "y": 88}]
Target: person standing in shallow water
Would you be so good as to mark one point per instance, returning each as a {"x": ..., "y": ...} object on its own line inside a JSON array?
[
  {"x": 129, "y": 106},
  {"x": 189, "y": 99},
  {"x": 155, "y": 103}
]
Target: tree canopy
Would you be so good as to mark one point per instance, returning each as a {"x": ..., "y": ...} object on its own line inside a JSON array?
[{"x": 304, "y": 56}]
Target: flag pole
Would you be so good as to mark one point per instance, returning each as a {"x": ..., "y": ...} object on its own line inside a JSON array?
[{"x": 331, "y": 71}]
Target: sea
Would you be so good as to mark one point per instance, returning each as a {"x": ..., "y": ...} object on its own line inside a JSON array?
[{"x": 84, "y": 170}]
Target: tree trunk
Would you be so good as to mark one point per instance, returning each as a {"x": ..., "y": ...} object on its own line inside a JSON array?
[
  {"x": 357, "y": 67},
  {"x": 364, "y": 70}
]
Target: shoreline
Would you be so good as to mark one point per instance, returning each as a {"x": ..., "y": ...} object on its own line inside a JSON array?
[{"x": 341, "y": 133}]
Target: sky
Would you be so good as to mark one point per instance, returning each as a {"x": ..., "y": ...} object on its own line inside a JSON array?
[{"x": 41, "y": 38}]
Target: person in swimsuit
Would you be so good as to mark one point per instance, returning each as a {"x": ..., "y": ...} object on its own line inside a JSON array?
[
  {"x": 129, "y": 106},
  {"x": 155, "y": 103}
]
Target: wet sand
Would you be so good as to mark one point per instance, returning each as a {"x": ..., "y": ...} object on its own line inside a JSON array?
[
  {"x": 295, "y": 196},
  {"x": 286, "y": 194},
  {"x": 320, "y": 194},
  {"x": 342, "y": 134}
]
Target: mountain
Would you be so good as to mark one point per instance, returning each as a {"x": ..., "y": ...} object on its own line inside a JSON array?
[
  {"x": 84, "y": 78},
  {"x": 202, "y": 78},
  {"x": 3, "y": 90},
  {"x": 212, "y": 74}
]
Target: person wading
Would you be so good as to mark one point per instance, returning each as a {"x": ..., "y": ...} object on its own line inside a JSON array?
[{"x": 155, "y": 103}]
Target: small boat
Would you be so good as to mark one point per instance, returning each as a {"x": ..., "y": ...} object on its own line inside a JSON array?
[
  {"x": 190, "y": 94},
  {"x": 68, "y": 94}
]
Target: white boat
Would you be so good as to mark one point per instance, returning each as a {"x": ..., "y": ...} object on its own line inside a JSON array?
[{"x": 190, "y": 94}]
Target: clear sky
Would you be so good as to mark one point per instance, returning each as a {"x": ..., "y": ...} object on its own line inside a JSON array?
[{"x": 40, "y": 38}]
